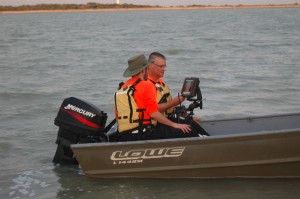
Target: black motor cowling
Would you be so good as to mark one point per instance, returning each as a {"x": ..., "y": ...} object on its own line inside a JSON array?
[{"x": 79, "y": 122}]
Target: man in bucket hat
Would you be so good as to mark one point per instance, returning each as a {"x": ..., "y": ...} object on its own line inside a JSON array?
[{"x": 135, "y": 104}]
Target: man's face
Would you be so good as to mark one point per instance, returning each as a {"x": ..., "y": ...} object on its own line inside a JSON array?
[{"x": 157, "y": 68}]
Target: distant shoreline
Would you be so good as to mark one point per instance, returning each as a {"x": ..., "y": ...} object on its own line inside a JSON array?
[{"x": 158, "y": 8}]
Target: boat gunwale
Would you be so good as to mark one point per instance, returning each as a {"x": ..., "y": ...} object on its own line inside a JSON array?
[{"x": 251, "y": 118}]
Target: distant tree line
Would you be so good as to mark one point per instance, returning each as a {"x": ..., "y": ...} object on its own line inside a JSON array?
[{"x": 90, "y": 5}]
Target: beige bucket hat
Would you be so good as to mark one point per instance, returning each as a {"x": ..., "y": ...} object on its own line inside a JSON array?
[{"x": 136, "y": 65}]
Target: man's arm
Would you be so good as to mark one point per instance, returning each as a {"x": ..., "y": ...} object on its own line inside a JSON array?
[{"x": 174, "y": 102}]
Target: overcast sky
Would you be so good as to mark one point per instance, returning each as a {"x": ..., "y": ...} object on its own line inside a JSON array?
[{"x": 152, "y": 2}]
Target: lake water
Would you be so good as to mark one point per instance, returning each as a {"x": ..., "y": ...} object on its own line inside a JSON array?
[{"x": 248, "y": 62}]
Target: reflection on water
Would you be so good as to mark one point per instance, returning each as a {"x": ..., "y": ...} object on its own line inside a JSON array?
[
  {"x": 79, "y": 186},
  {"x": 65, "y": 182},
  {"x": 25, "y": 182},
  {"x": 30, "y": 184}
]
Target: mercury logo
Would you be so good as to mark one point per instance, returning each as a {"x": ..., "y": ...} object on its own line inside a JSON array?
[
  {"x": 147, "y": 153},
  {"x": 79, "y": 110}
]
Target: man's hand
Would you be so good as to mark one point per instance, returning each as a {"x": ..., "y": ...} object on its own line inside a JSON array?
[
  {"x": 183, "y": 127},
  {"x": 180, "y": 99}
]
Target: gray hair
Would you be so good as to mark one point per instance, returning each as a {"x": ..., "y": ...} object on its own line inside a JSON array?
[{"x": 155, "y": 55}]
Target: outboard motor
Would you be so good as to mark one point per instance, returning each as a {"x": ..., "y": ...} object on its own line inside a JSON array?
[{"x": 79, "y": 122}]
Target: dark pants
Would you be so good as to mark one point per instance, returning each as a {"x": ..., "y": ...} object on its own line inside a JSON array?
[
  {"x": 196, "y": 128},
  {"x": 128, "y": 136},
  {"x": 161, "y": 131},
  {"x": 144, "y": 134},
  {"x": 166, "y": 132}
]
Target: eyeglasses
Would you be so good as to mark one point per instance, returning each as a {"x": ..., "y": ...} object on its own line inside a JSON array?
[{"x": 160, "y": 66}]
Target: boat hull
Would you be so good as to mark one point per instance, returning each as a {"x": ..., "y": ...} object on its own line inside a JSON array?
[{"x": 261, "y": 154}]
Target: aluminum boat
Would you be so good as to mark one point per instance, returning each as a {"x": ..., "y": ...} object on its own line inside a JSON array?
[{"x": 261, "y": 146}]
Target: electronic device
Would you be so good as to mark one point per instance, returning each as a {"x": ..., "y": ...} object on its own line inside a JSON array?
[{"x": 190, "y": 86}]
